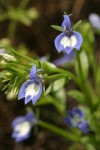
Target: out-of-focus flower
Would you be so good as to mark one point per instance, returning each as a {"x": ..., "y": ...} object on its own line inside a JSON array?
[
  {"x": 32, "y": 88},
  {"x": 7, "y": 56},
  {"x": 68, "y": 40},
  {"x": 22, "y": 126},
  {"x": 75, "y": 118},
  {"x": 95, "y": 20},
  {"x": 44, "y": 58},
  {"x": 64, "y": 59}
]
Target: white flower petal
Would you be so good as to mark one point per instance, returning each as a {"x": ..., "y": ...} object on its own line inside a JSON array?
[
  {"x": 22, "y": 128},
  {"x": 32, "y": 90},
  {"x": 68, "y": 41},
  {"x": 76, "y": 120}
]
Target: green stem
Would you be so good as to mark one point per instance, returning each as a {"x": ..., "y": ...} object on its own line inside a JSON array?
[{"x": 64, "y": 133}]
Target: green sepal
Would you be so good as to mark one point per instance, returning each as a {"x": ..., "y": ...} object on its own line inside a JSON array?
[
  {"x": 77, "y": 24},
  {"x": 59, "y": 28}
]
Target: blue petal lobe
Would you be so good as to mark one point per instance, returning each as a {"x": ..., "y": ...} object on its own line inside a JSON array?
[
  {"x": 66, "y": 22},
  {"x": 36, "y": 97},
  {"x": 84, "y": 126},
  {"x": 59, "y": 46},
  {"x": 68, "y": 122},
  {"x": 64, "y": 59},
  {"x": 27, "y": 99},
  {"x": 17, "y": 120},
  {"x": 68, "y": 50},
  {"x": 79, "y": 112},
  {"x": 33, "y": 72},
  {"x": 22, "y": 92},
  {"x": 79, "y": 40},
  {"x": 29, "y": 116}
]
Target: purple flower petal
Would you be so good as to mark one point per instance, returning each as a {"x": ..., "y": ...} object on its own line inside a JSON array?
[
  {"x": 68, "y": 50},
  {"x": 22, "y": 92},
  {"x": 78, "y": 111},
  {"x": 64, "y": 59},
  {"x": 29, "y": 116},
  {"x": 17, "y": 121},
  {"x": 33, "y": 72},
  {"x": 20, "y": 139},
  {"x": 68, "y": 122},
  {"x": 84, "y": 126},
  {"x": 66, "y": 23},
  {"x": 36, "y": 97},
  {"x": 79, "y": 40},
  {"x": 28, "y": 99},
  {"x": 94, "y": 20},
  {"x": 58, "y": 45}
]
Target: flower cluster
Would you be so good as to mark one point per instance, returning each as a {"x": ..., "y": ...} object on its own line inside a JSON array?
[
  {"x": 32, "y": 88},
  {"x": 69, "y": 39},
  {"x": 75, "y": 118},
  {"x": 22, "y": 126}
]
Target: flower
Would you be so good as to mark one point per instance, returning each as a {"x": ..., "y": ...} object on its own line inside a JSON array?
[
  {"x": 64, "y": 59},
  {"x": 68, "y": 40},
  {"x": 94, "y": 20},
  {"x": 7, "y": 56},
  {"x": 75, "y": 118},
  {"x": 22, "y": 126},
  {"x": 32, "y": 88}
]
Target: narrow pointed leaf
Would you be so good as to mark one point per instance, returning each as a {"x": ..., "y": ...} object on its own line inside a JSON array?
[
  {"x": 59, "y": 28},
  {"x": 77, "y": 24}
]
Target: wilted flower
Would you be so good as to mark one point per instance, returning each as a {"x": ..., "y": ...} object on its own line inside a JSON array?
[
  {"x": 94, "y": 20},
  {"x": 22, "y": 126},
  {"x": 32, "y": 88},
  {"x": 75, "y": 118},
  {"x": 7, "y": 56},
  {"x": 68, "y": 40},
  {"x": 64, "y": 59}
]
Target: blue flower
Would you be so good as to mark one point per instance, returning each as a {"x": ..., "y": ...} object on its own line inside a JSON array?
[
  {"x": 32, "y": 88},
  {"x": 75, "y": 118},
  {"x": 22, "y": 126},
  {"x": 68, "y": 40},
  {"x": 94, "y": 20},
  {"x": 64, "y": 59}
]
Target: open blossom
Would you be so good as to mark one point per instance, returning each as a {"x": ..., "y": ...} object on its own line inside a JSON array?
[
  {"x": 22, "y": 126},
  {"x": 75, "y": 118},
  {"x": 69, "y": 39},
  {"x": 65, "y": 59},
  {"x": 95, "y": 20},
  {"x": 32, "y": 88}
]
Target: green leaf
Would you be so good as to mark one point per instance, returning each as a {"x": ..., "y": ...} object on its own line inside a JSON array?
[
  {"x": 77, "y": 96},
  {"x": 59, "y": 28},
  {"x": 48, "y": 67},
  {"x": 56, "y": 85},
  {"x": 58, "y": 103},
  {"x": 77, "y": 24},
  {"x": 60, "y": 98},
  {"x": 84, "y": 65}
]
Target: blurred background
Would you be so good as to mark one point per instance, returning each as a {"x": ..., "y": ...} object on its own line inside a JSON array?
[{"x": 26, "y": 26}]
